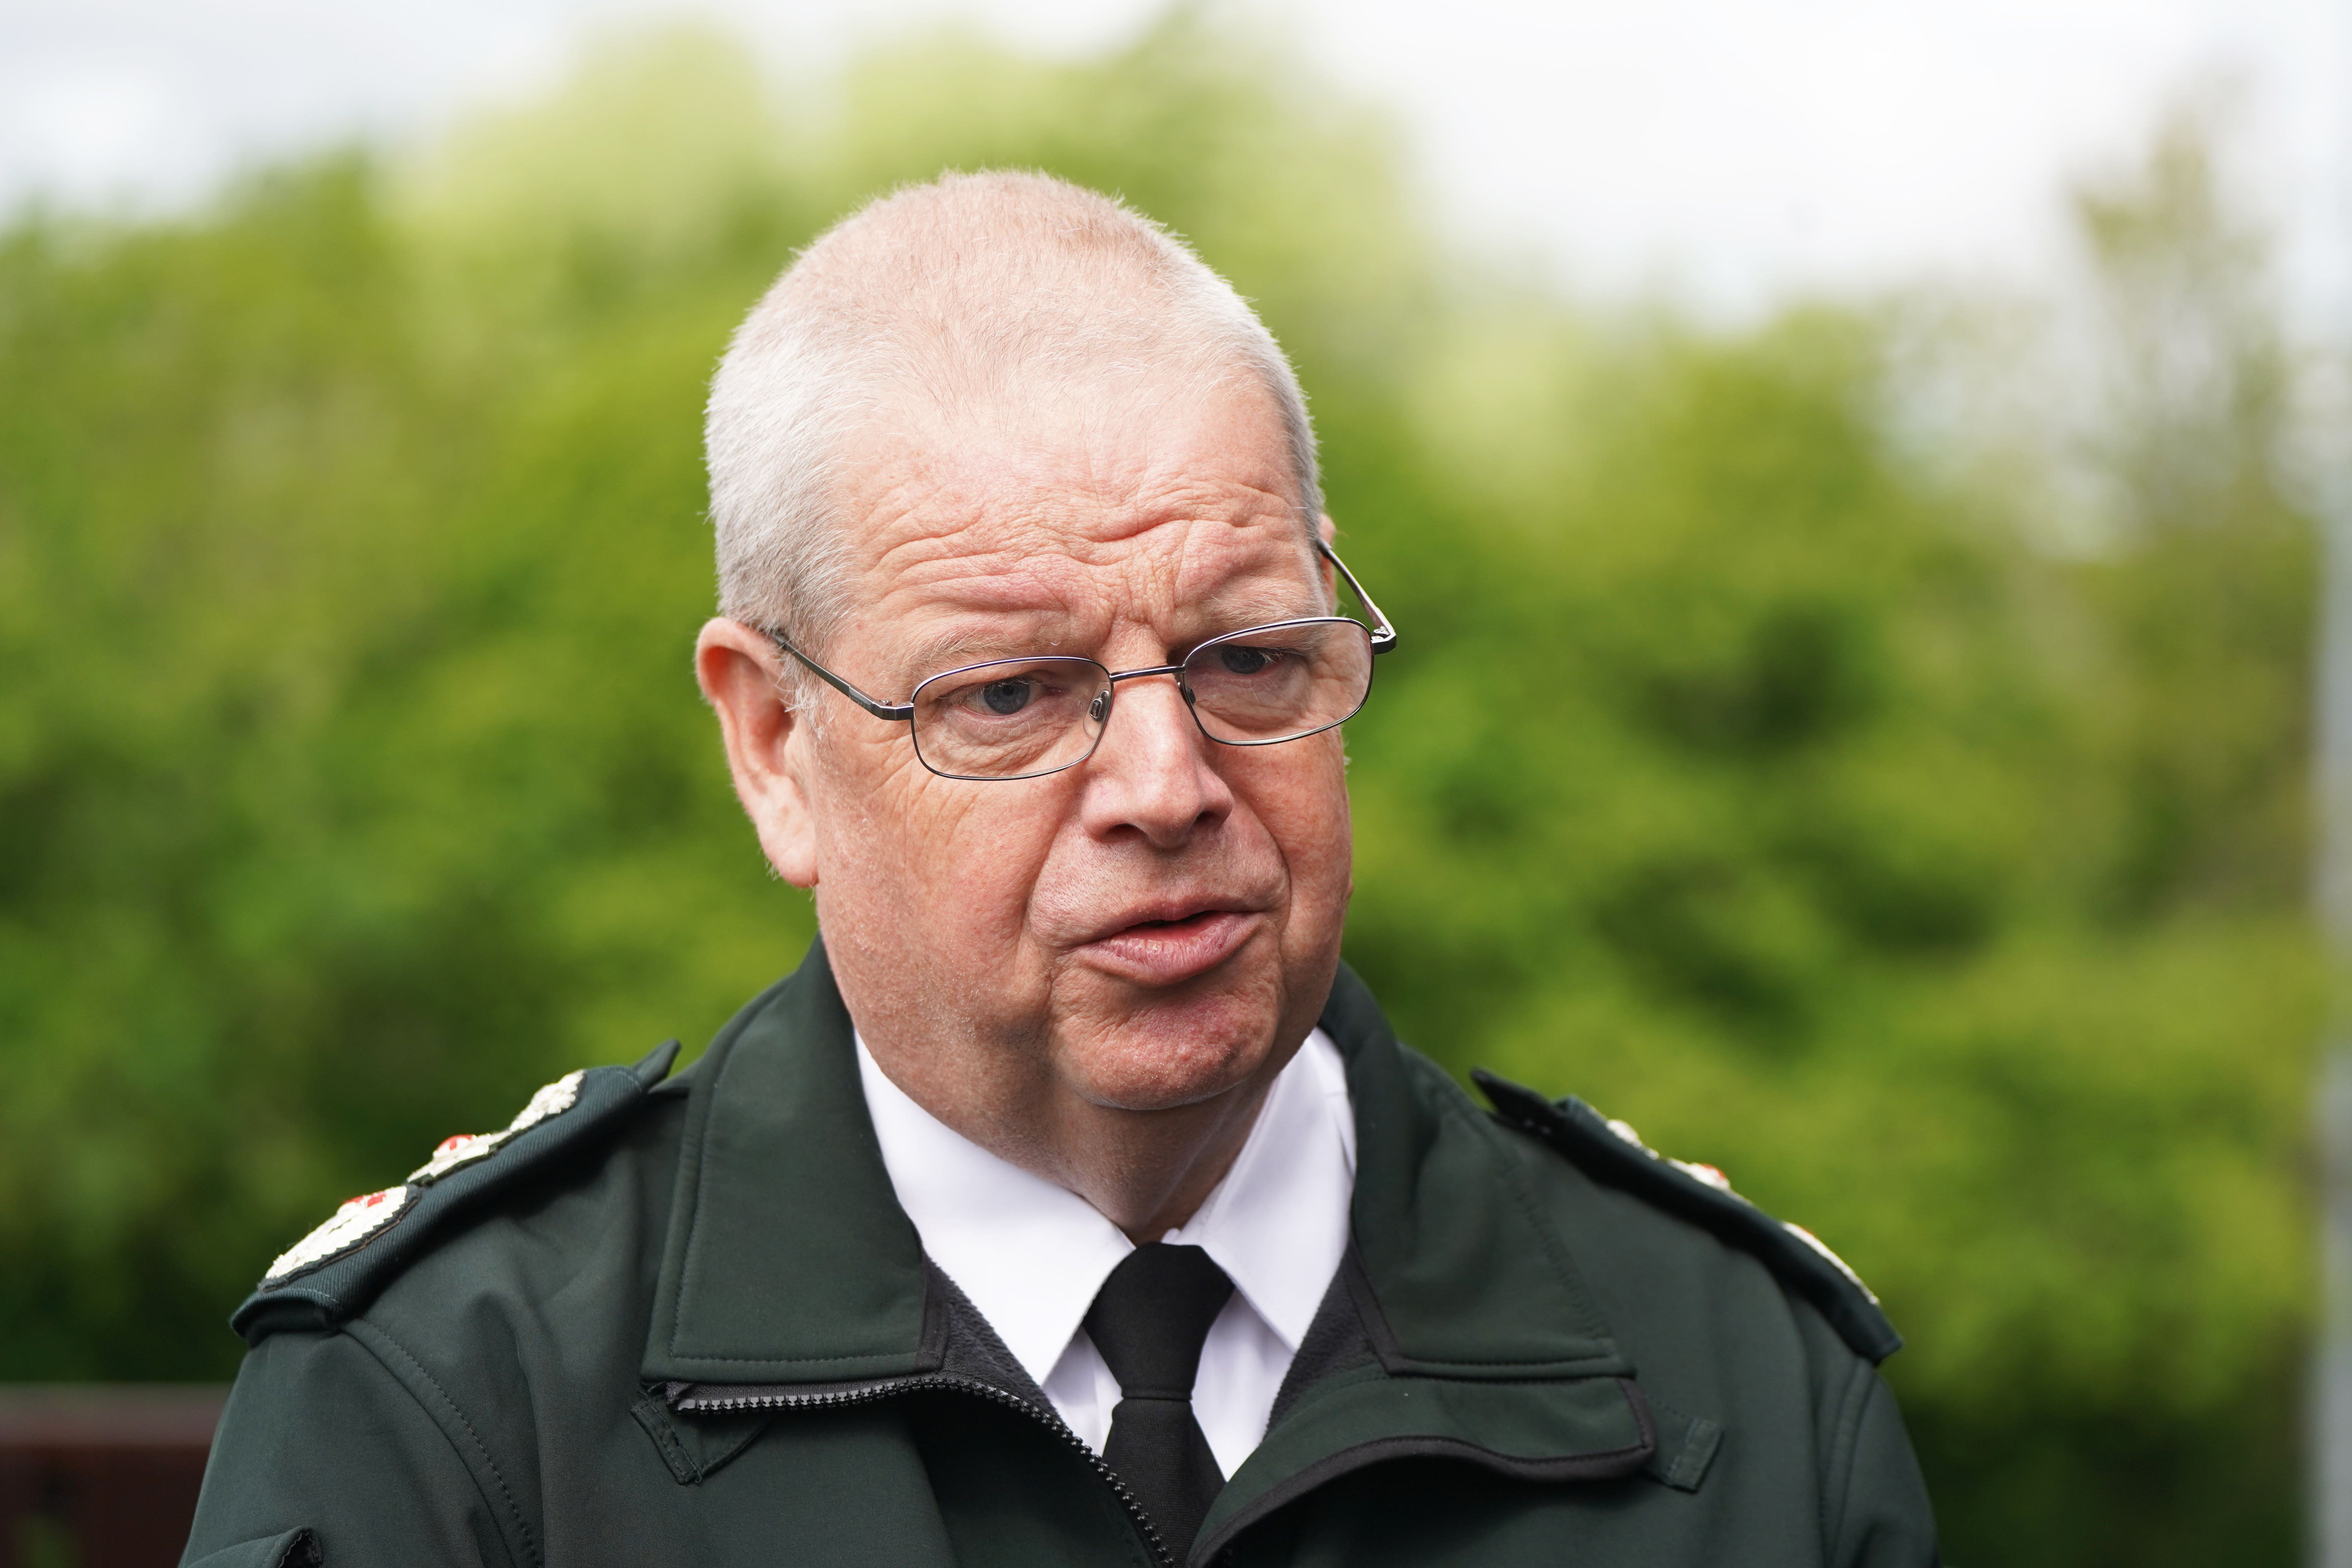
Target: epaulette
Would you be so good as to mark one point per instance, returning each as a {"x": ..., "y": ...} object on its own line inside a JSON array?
[
  {"x": 338, "y": 1268},
  {"x": 1613, "y": 1154}
]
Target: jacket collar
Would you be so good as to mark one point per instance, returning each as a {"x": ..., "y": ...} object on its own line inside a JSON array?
[
  {"x": 789, "y": 1260},
  {"x": 1453, "y": 1283},
  {"x": 1458, "y": 1326}
]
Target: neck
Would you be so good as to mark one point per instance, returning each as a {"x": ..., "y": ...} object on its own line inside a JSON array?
[{"x": 1147, "y": 1172}]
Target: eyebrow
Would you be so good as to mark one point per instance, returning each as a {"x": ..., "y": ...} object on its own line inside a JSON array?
[
  {"x": 1256, "y": 604},
  {"x": 1235, "y": 607},
  {"x": 954, "y": 649}
]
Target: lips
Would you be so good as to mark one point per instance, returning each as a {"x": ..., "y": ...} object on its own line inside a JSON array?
[{"x": 1169, "y": 944}]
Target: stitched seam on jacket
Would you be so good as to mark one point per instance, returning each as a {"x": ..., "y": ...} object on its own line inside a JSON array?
[
  {"x": 1354, "y": 1456},
  {"x": 1535, "y": 1371},
  {"x": 686, "y": 1275},
  {"x": 506, "y": 1494},
  {"x": 1522, "y": 1190},
  {"x": 1521, "y": 1186},
  {"x": 652, "y": 1419},
  {"x": 797, "y": 1359},
  {"x": 700, "y": 1153},
  {"x": 1845, "y": 1446},
  {"x": 304, "y": 1541}
]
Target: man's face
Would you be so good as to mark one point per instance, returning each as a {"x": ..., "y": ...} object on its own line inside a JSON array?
[{"x": 1156, "y": 925}]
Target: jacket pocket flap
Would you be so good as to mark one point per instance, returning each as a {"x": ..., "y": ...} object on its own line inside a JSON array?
[{"x": 293, "y": 1549}]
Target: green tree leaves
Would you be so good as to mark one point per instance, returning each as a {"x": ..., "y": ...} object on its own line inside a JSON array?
[{"x": 1743, "y": 770}]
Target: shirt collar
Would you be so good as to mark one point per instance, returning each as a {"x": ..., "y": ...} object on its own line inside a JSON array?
[
  {"x": 1277, "y": 1223},
  {"x": 787, "y": 1258},
  {"x": 1032, "y": 1254}
]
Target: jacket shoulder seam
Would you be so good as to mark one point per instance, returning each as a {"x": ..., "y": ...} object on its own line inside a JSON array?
[
  {"x": 1837, "y": 1465},
  {"x": 376, "y": 1340}
]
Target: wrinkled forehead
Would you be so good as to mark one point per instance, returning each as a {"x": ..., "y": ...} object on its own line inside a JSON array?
[{"x": 1068, "y": 511}]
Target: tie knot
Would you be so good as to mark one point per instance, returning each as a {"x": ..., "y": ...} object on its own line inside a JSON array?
[{"x": 1153, "y": 1315}]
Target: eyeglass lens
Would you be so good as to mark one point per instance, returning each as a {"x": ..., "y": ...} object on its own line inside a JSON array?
[
  {"x": 1012, "y": 719},
  {"x": 1279, "y": 682},
  {"x": 1020, "y": 718}
]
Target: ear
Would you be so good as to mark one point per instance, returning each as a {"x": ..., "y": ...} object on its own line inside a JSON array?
[
  {"x": 739, "y": 670},
  {"x": 1328, "y": 531}
]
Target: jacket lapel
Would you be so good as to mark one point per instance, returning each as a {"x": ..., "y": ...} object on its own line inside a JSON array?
[{"x": 1459, "y": 1327}]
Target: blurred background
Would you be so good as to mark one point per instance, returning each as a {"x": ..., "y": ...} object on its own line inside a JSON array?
[{"x": 1848, "y": 477}]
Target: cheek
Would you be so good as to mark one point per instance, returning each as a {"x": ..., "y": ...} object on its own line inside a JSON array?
[
  {"x": 985, "y": 863},
  {"x": 910, "y": 850},
  {"x": 1303, "y": 807}
]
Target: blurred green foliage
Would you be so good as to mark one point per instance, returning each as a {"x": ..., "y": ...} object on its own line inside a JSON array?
[{"x": 1743, "y": 770}]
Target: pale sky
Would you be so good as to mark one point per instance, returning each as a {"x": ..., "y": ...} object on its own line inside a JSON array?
[{"x": 1729, "y": 152}]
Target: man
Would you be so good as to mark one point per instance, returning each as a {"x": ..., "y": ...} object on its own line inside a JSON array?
[{"x": 1070, "y": 1204}]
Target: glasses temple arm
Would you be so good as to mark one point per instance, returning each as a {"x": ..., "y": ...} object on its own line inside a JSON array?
[
  {"x": 899, "y": 713},
  {"x": 1384, "y": 636}
]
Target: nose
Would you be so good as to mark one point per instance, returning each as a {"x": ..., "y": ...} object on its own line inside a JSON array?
[{"x": 1152, "y": 774}]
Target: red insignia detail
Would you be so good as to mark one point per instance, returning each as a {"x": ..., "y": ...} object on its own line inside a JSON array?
[{"x": 353, "y": 1222}]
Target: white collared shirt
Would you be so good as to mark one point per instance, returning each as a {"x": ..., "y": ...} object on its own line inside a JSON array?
[{"x": 1030, "y": 1254}]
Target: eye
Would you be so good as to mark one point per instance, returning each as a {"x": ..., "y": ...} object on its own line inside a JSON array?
[
  {"x": 1241, "y": 659},
  {"x": 1004, "y": 698}
]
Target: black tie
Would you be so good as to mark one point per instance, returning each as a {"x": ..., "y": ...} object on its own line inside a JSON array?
[{"x": 1149, "y": 1321}]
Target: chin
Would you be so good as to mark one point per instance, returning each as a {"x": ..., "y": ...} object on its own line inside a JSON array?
[{"x": 1156, "y": 1062}]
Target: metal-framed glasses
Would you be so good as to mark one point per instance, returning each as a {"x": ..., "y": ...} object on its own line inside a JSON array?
[{"x": 1023, "y": 718}]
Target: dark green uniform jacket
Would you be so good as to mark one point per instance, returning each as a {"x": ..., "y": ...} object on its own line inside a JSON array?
[{"x": 686, "y": 1323}]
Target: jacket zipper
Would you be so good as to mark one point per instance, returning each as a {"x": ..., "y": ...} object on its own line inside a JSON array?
[{"x": 873, "y": 1393}]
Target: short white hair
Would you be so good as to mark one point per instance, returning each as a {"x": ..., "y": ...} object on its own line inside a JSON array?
[{"x": 962, "y": 291}]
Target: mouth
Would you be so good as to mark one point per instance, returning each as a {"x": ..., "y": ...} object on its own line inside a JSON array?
[{"x": 1167, "y": 946}]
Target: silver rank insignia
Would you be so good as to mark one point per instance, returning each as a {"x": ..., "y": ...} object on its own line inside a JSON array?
[{"x": 363, "y": 1216}]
